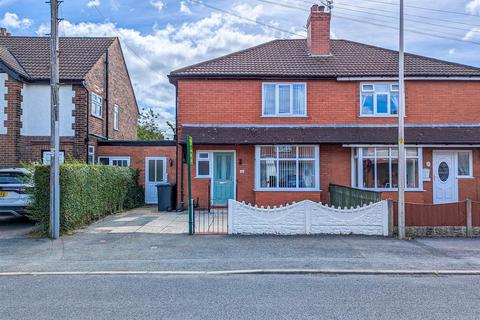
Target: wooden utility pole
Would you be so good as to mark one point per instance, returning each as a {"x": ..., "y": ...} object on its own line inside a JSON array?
[
  {"x": 401, "y": 128},
  {"x": 54, "y": 127}
]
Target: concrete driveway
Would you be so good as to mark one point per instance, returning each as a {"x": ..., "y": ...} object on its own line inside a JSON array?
[
  {"x": 142, "y": 220},
  {"x": 13, "y": 227}
]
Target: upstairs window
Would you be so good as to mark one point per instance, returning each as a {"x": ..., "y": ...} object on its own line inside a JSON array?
[
  {"x": 379, "y": 99},
  {"x": 96, "y": 102},
  {"x": 116, "y": 112},
  {"x": 284, "y": 100}
]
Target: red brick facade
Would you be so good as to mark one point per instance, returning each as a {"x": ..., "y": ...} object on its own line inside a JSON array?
[
  {"x": 19, "y": 148},
  {"x": 137, "y": 155},
  {"x": 328, "y": 102}
]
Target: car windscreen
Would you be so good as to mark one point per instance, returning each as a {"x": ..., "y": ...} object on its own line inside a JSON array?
[{"x": 13, "y": 178}]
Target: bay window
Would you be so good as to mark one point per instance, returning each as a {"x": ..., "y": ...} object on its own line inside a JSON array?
[
  {"x": 284, "y": 100},
  {"x": 376, "y": 168},
  {"x": 287, "y": 167},
  {"x": 379, "y": 99}
]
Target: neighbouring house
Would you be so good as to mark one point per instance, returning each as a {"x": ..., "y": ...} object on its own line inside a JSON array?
[
  {"x": 279, "y": 122},
  {"x": 98, "y": 108},
  {"x": 97, "y": 101}
]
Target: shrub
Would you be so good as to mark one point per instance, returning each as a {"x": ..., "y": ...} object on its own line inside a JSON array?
[{"x": 87, "y": 193}]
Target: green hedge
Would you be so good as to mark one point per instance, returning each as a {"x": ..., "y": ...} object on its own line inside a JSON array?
[{"x": 87, "y": 193}]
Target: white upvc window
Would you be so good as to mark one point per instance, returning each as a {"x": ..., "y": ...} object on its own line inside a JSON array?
[
  {"x": 120, "y": 161},
  {"x": 287, "y": 167},
  {"x": 379, "y": 99},
  {"x": 116, "y": 113},
  {"x": 47, "y": 156},
  {"x": 376, "y": 168},
  {"x": 96, "y": 105},
  {"x": 464, "y": 164},
  {"x": 203, "y": 167},
  {"x": 91, "y": 155},
  {"x": 284, "y": 99}
]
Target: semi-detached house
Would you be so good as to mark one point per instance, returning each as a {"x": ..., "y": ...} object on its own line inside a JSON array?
[
  {"x": 281, "y": 121},
  {"x": 97, "y": 101}
]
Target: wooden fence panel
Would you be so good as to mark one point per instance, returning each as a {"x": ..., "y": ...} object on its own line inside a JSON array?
[
  {"x": 420, "y": 215},
  {"x": 475, "y": 213}
]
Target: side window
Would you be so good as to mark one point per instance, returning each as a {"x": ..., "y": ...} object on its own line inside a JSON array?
[
  {"x": 464, "y": 164},
  {"x": 203, "y": 164},
  {"x": 91, "y": 154},
  {"x": 96, "y": 105},
  {"x": 116, "y": 112}
]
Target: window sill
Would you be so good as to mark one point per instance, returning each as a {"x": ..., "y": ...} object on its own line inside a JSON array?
[
  {"x": 287, "y": 190},
  {"x": 378, "y": 116},
  {"x": 393, "y": 190},
  {"x": 202, "y": 177},
  {"x": 285, "y": 116},
  {"x": 95, "y": 116}
]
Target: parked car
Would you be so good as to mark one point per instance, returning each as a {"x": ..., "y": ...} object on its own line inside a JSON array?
[{"x": 13, "y": 186}]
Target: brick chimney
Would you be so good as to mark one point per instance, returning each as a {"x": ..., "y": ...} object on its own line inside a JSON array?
[
  {"x": 4, "y": 32},
  {"x": 318, "y": 27}
]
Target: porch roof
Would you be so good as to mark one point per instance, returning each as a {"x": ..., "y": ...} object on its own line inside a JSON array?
[{"x": 250, "y": 135}]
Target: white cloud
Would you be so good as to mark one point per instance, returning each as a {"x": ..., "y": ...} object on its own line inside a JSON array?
[
  {"x": 472, "y": 34},
  {"x": 451, "y": 51},
  {"x": 11, "y": 20},
  {"x": 473, "y": 6},
  {"x": 184, "y": 8},
  {"x": 158, "y": 4},
  {"x": 171, "y": 47},
  {"x": 93, "y": 3}
]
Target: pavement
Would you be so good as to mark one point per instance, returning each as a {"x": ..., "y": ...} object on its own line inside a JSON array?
[
  {"x": 240, "y": 297},
  {"x": 144, "y": 240}
]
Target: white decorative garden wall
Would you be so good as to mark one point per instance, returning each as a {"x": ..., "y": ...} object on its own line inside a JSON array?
[{"x": 307, "y": 217}]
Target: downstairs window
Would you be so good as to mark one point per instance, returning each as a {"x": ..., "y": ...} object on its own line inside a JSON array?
[
  {"x": 376, "y": 168},
  {"x": 287, "y": 167}
]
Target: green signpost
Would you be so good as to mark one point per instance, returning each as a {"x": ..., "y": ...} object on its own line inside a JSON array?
[{"x": 189, "y": 183}]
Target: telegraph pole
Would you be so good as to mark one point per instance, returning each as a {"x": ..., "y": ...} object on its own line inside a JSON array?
[
  {"x": 401, "y": 128},
  {"x": 54, "y": 128}
]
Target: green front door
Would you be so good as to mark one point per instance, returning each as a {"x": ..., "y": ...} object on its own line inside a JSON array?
[{"x": 223, "y": 178}]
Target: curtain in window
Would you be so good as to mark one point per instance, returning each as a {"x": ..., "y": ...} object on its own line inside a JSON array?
[
  {"x": 394, "y": 103},
  {"x": 298, "y": 99},
  {"x": 269, "y": 99},
  {"x": 367, "y": 103},
  {"x": 284, "y": 98}
]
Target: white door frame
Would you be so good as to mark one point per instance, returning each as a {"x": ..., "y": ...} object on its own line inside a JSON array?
[
  {"x": 165, "y": 178},
  {"x": 234, "y": 172},
  {"x": 453, "y": 172}
]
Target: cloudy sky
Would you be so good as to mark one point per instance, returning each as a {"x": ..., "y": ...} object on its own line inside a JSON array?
[{"x": 162, "y": 35}]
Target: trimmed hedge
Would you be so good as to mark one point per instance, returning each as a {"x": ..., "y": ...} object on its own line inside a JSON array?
[{"x": 87, "y": 193}]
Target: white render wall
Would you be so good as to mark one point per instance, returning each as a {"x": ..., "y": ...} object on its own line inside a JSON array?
[
  {"x": 3, "y": 103},
  {"x": 308, "y": 217},
  {"x": 36, "y": 110}
]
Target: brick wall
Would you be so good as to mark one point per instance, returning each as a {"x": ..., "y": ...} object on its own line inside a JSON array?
[
  {"x": 137, "y": 156},
  {"x": 120, "y": 93},
  {"x": 328, "y": 102},
  {"x": 9, "y": 142}
]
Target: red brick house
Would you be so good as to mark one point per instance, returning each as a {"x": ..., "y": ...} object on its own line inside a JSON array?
[
  {"x": 281, "y": 121},
  {"x": 97, "y": 101}
]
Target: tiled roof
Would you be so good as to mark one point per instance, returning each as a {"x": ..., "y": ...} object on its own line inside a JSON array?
[
  {"x": 32, "y": 55},
  {"x": 330, "y": 135},
  {"x": 290, "y": 59}
]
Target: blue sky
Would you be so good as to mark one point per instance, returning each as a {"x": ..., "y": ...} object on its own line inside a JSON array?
[{"x": 161, "y": 35}]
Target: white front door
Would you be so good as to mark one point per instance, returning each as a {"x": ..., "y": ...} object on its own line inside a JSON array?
[
  {"x": 155, "y": 172},
  {"x": 445, "y": 184}
]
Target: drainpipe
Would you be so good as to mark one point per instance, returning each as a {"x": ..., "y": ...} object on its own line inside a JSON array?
[
  {"x": 106, "y": 95},
  {"x": 88, "y": 120},
  {"x": 179, "y": 159}
]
